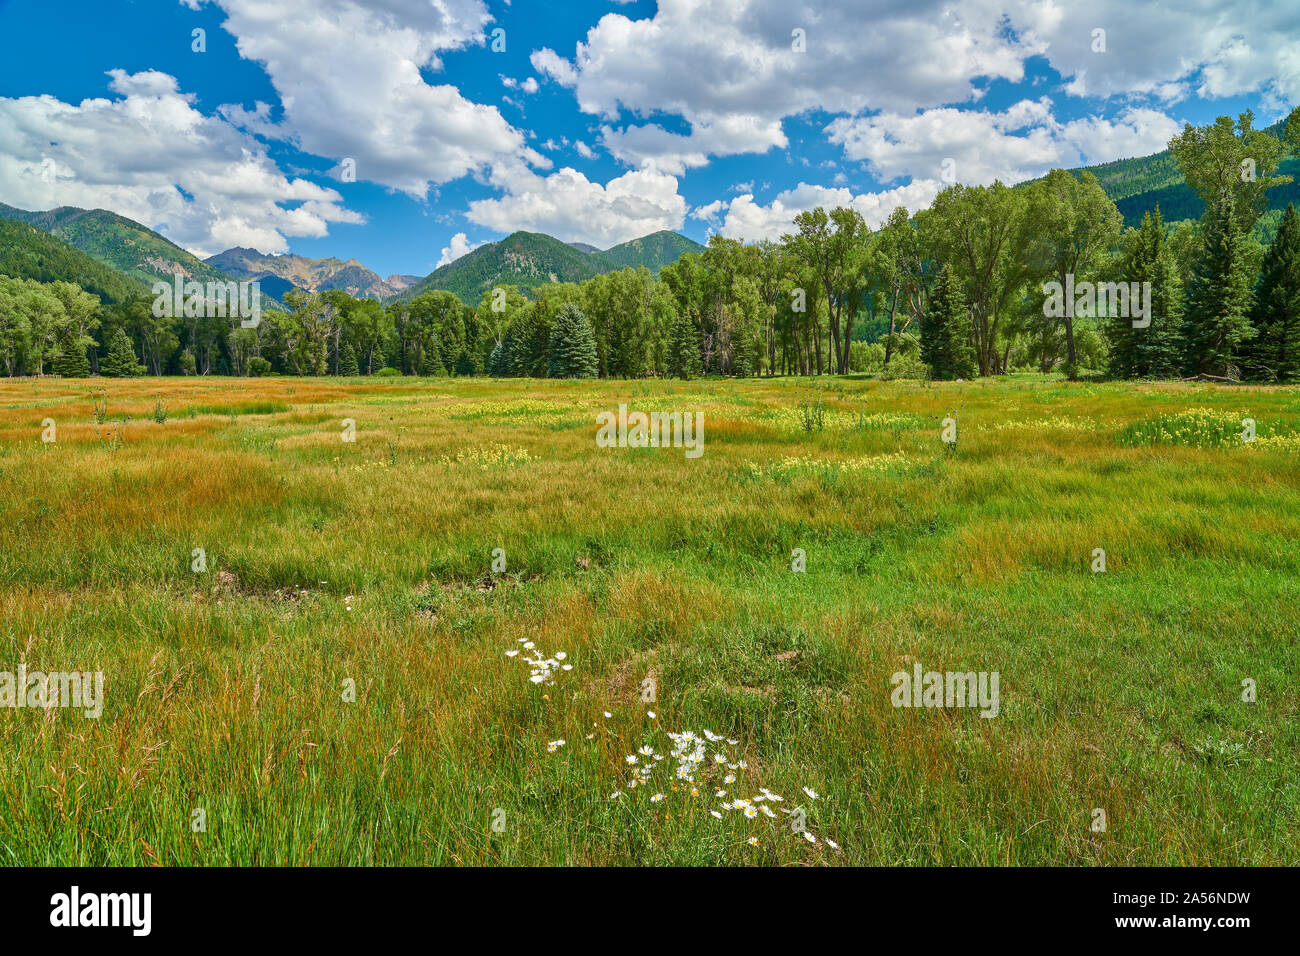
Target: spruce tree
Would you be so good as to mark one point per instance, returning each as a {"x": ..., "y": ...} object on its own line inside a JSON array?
[
  {"x": 1217, "y": 325},
  {"x": 348, "y": 361},
  {"x": 1160, "y": 348},
  {"x": 431, "y": 361},
  {"x": 1275, "y": 351},
  {"x": 946, "y": 332},
  {"x": 120, "y": 362},
  {"x": 1154, "y": 351},
  {"x": 684, "y": 348},
  {"x": 573, "y": 346},
  {"x": 501, "y": 362},
  {"x": 72, "y": 361}
]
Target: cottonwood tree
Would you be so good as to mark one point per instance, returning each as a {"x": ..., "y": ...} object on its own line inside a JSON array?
[
  {"x": 764, "y": 262},
  {"x": 1074, "y": 224},
  {"x": 156, "y": 335},
  {"x": 1237, "y": 162},
  {"x": 81, "y": 315},
  {"x": 497, "y": 308},
  {"x": 902, "y": 270},
  {"x": 15, "y": 326},
  {"x": 982, "y": 234},
  {"x": 833, "y": 247},
  {"x": 45, "y": 319}
]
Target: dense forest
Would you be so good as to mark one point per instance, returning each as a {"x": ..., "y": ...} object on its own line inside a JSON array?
[{"x": 956, "y": 290}]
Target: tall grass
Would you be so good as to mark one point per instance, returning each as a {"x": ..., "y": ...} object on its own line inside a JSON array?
[{"x": 335, "y": 687}]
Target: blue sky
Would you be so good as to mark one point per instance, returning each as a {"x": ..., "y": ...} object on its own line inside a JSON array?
[{"x": 599, "y": 121}]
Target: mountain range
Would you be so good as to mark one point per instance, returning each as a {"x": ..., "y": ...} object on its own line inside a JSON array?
[
  {"x": 27, "y": 252},
  {"x": 531, "y": 259},
  {"x": 279, "y": 274},
  {"x": 125, "y": 245},
  {"x": 115, "y": 256}
]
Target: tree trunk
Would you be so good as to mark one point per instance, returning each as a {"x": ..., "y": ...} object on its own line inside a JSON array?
[{"x": 889, "y": 342}]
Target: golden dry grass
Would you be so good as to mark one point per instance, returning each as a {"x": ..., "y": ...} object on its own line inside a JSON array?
[{"x": 370, "y": 561}]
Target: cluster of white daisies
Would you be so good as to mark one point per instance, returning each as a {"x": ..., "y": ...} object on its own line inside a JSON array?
[
  {"x": 691, "y": 757},
  {"x": 544, "y": 668}
]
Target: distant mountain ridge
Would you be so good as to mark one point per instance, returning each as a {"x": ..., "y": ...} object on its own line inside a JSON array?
[
  {"x": 121, "y": 243},
  {"x": 528, "y": 260},
  {"x": 524, "y": 259},
  {"x": 312, "y": 275},
  {"x": 28, "y": 252},
  {"x": 653, "y": 251}
]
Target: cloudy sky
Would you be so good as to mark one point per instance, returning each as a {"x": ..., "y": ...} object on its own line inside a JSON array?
[{"x": 405, "y": 132}]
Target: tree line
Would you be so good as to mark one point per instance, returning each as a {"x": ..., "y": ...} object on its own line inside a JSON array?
[{"x": 957, "y": 290}]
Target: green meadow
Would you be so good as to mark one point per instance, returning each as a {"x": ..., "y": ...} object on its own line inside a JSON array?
[{"x": 317, "y": 651}]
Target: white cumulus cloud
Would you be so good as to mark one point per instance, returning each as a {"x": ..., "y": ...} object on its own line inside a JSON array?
[
  {"x": 567, "y": 205},
  {"x": 150, "y": 155},
  {"x": 458, "y": 246},
  {"x": 348, "y": 76}
]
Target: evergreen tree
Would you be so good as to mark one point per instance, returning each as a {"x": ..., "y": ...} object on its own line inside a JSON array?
[
  {"x": 465, "y": 364},
  {"x": 946, "y": 331},
  {"x": 501, "y": 362},
  {"x": 1154, "y": 351},
  {"x": 120, "y": 362},
  {"x": 348, "y": 361},
  {"x": 72, "y": 361},
  {"x": 1275, "y": 351},
  {"x": 684, "y": 348},
  {"x": 431, "y": 361},
  {"x": 573, "y": 346},
  {"x": 1217, "y": 324}
]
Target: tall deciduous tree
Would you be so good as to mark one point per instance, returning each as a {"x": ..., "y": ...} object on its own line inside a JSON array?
[
  {"x": 1074, "y": 224},
  {"x": 902, "y": 266},
  {"x": 833, "y": 247},
  {"x": 981, "y": 233},
  {"x": 1235, "y": 161}
]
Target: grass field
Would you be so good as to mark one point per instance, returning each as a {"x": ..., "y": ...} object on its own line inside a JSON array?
[{"x": 333, "y": 564}]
